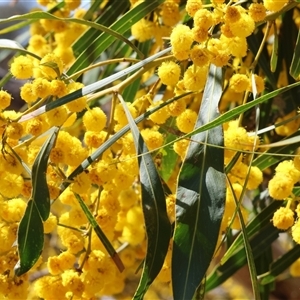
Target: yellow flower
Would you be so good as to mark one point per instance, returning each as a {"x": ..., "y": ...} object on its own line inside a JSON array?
[
  {"x": 186, "y": 121},
  {"x": 94, "y": 119},
  {"x": 22, "y": 67},
  {"x": 281, "y": 186},
  {"x": 192, "y": 6},
  {"x": 5, "y": 99},
  {"x": 153, "y": 138},
  {"x": 169, "y": 73},
  {"x": 283, "y": 218},
  {"x": 257, "y": 11}
]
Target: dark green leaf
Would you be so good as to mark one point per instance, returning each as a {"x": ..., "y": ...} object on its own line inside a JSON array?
[
  {"x": 200, "y": 198},
  {"x": 295, "y": 65},
  {"x": 259, "y": 243},
  {"x": 104, "y": 40},
  {"x": 101, "y": 235},
  {"x": 158, "y": 226},
  {"x": 40, "y": 192},
  {"x": 280, "y": 265},
  {"x": 30, "y": 239}
]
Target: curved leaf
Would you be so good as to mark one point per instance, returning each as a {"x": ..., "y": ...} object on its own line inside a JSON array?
[
  {"x": 158, "y": 226},
  {"x": 30, "y": 239},
  {"x": 15, "y": 46},
  {"x": 200, "y": 198}
]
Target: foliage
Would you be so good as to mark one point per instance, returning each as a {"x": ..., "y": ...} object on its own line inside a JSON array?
[{"x": 153, "y": 151}]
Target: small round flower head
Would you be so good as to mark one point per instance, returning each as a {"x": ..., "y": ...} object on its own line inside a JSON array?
[
  {"x": 5, "y": 99},
  {"x": 281, "y": 186},
  {"x": 203, "y": 18},
  {"x": 236, "y": 46},
  {"x": 257, "y": 11},
  {"x": 22, "y": 67},
  {"x": 51, "y": 66},
  {"x": 218, "y": 53},
  {"x": 225, "y": 29},
  {"x": 186, "y": 121},
  {"x": 169, "y": 73},
  {"x": 180, "y": 147},
  {"x": 192, "y": 6},
  {"x": 79, "y": 104},
  {"x": 65, "y": 54},
  {"x": 198, "y": 56},
  {"x": 283, "y": 218},
  {"x": 58, "y": 88},
  {"x": 170, "y": 13},
  {"x": 41, "y": 87},
  {"x": 194, "y": 78},
  {"x": 181, "y": 40},
  {"x": 94, "y": 119},
  {"x": 143, "y": 30},
  {"x": 27, "y": 93},
  {"x": 239, "y": 83},
  {"x": 274, "y": 5},
  {"x": 153, "y": 138},
  {"x": 57, "y": 116},
  {"x": 94, "y": 139},
  {"x": 161, "y": 115},
  {"x": 288, "y": 167},
  {"x": 14, "y": 130},
  {"x": 232, "y": 14},
  {"x": 288, "y": 128},
  {"x": 200, "y": 34},
  {"x": 243, "y": 27},
  {"x": 177, "y": 107},
  {"x": 296, "y": 232}
]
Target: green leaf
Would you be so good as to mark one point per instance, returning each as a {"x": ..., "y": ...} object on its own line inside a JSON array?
[
  {"x": 274, "y": 56},
  {"x": 104, "y": 40},
  {"x": 259, "y": 243},
  {"x": 40, "y": 191},
  {"x": 30, "y": 239},
  {"x": 254, "y": 226},
  {"x": 280, "y": 265},
  {"x": 101, "y": 235},
  {"x": 295, "y": 65},
  {"x": 200, "y": 198},
  {"x": 158, "y": 226}
]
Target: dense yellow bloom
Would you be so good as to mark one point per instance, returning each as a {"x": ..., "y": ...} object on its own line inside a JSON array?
[
  {"x": 180, "y": 147},
  {"x": 143, "y": 30},
  {"x": 243, "y": 27},
  {"x": 198, "y": 56},
  {"x": 153, "y": 138},
  {"x": 283, "y": 218},
  {"x": 295, "y": 268},
  {"x": 257, "y": 11},
  {"x": 195, "y": 78},
  {"x": 27, "y": 93},
  {"x": 5, "y": 99},
  {"x": 170, "y": 13},
  {"x": 186, "y": 121},
  {"x": 181, "y": 40},
  {"x": 177, "y": 107},
  {"x": 203, "y": 18},
  {"x": 296, "y": 232},
  {"x": 41, "y": 87},
  {"x": 288, "y": 167},
  {"x": 192, "y": 6},
  {"x": 94, "y": 119},
  {"x": 169, "y": 73},
  {"x": 160, "y": 116},
  {"x": 239, "y": 83},
  {"x": 281, "y": 186},
  {"x": 21, "y": 67}
]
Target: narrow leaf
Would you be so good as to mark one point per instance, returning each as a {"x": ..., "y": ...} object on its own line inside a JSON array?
[
  {"x": 30, "y": 239},
  {"x": 274, "y": 56},
  {"x": 40, "y": 191},
  {"x": 295, "y": 65},
  {"x": 15, "y": 46},
  {"x": 101, "y": 235},
  {"x": 200, "y": 197},
  {"x": 158, "y": 226},
  {"x": 280, "y": 265}
]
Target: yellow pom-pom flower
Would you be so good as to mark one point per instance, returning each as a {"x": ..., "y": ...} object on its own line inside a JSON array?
[
  {"x": 203, "y": 18},
  {"x": 274, "y": 5},
  {"x": 194, "y": 78},
  {"x": 192, "y": 6},
  {"x": 153, "y": 138},
  {"x": 257, "y": 11},
  {"x": 22, "y": 67},
  {"x": 295, "y": 268},
  {"x": 169, "y": 73},
  {"x": 296, "y": 232},
  {"x": 243, "y": 27},
  {"x": 198, "y": 56},
  {"x": 283, "y": 218},
  {"x": 239, "y": 83},
  {"x": 181, "y": 40},
  {"x": 186, "y": 121},
  {"x": 5, "y": 99},
  {"x": 27, "y": 93},
  {"x": 281, "y": 186},
  {"x": 94, "y": 119}
]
